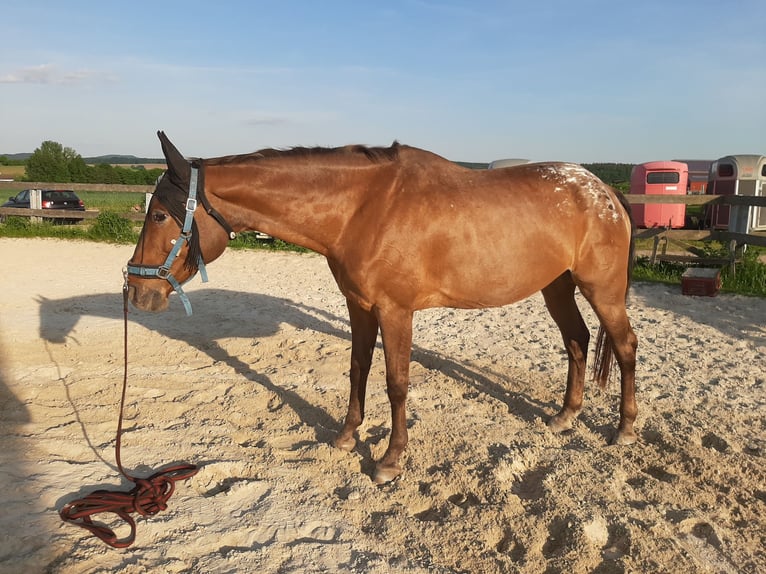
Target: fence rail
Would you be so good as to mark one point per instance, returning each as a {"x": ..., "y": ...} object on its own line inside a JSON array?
[
  {"x": 724, "y": 236},
  {"x": 9, "y": 186},
  {"x": 663, "y": 237},
  {"x": 658, "y": 233},
  {"x": 752, "y": 200}
]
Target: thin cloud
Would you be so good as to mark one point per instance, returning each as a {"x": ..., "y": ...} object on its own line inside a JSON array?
[
  {"x": 267, "y": 120},
  {"x": 290, "y": 118},
  {"x": 48, "y": 74}
]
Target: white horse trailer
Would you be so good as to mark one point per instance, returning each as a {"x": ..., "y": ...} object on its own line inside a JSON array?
[
  {"x": 738, "y": 175},
  {"x": 510, "y": 162}
]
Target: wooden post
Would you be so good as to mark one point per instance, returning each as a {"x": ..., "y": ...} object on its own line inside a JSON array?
[
  {"x": 35, "y": 202},
  {"x": 653, "y": 260},
  {"x": 733, "y": 257}
]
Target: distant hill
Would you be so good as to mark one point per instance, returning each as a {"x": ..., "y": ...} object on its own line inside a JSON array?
[
  {"x": 16, "y": 156},
  {"x": 111, "y": 159}
]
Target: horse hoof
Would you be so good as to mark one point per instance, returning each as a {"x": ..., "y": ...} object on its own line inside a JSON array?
[
  {"x": 345, "y": 443},
  {"x": 386, "y": 474},
  {"x": 560, "y": 423},
  {"x": 624, "y": 438}
]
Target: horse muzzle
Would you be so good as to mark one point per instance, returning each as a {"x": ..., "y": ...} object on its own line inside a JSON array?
[{"x": 146, "y": 299}]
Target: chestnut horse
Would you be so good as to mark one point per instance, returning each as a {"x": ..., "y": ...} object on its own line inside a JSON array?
[{"x": 404, "y": 229}]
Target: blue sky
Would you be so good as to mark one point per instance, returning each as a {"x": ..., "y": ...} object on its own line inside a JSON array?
[{"x": 578, "y": 80}]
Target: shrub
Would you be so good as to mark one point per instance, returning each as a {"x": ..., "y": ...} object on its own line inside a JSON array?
[
  {"x": 749, "y": 277},
  {"x": 111, "y": 226},
  {"x": 15, "y": 224}
]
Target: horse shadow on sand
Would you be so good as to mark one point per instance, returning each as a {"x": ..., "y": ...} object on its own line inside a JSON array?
[
  {"x": 17, "y": 497},
  {"x": 254, "y": 316},
  {"x": 724, "y": 313}
]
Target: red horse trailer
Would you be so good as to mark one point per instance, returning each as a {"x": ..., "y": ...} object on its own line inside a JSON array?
[{"x": 659, "y": 178}]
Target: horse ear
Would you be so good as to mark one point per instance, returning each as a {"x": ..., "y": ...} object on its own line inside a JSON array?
[{"x": 177, "y": 164}]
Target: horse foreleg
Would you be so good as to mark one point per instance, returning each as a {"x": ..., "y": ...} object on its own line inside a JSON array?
[
  {"x": 559, "y": 298},
  {"x": 364, "y": 333},
  {"x": 396, "y": 330}
]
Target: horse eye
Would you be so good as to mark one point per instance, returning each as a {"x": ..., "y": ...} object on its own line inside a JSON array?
[{"x": 159, "y": 217}]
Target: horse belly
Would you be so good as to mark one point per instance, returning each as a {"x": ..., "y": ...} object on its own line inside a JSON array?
[{"x": 466, "y": 274}]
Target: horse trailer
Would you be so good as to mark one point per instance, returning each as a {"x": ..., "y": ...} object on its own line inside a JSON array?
[
  {"x": 699, "y": 170},
  {"x": 659, "y": 178},
  {"x": 738, "y": 175},
  {"x": 510, "y": 162}
]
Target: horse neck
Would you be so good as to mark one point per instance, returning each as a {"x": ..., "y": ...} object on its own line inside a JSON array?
[{"x": 304, "y": 203}]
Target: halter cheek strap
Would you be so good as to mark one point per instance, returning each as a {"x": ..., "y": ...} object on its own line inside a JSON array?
[{"x": 163, "y": 271}]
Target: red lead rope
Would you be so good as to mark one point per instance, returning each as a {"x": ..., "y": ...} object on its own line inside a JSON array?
[{"x": 147, "y": 498}]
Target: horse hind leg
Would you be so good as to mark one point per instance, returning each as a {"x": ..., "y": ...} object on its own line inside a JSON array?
[
  {"x": 364, "y": 334},
  {"x": 621, "y": 342},
  {"x": 559, "y": 298}
]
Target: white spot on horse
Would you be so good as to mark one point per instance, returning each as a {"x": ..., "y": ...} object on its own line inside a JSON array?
[{"x": 574, "y": 177}]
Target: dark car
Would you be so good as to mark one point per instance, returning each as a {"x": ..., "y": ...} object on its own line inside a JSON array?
[{"x": 64, "y": 199}]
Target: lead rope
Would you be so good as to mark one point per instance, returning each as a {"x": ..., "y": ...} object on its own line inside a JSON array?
[{"x": 147, "y": 498}]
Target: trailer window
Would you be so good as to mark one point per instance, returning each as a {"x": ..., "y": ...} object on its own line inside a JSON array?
[
  {"x": 725, "y": 170},
  {"x": 763, "y": 170},
  {"x": 663, "y": 177}
]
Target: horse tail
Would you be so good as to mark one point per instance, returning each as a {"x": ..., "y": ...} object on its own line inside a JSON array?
[{"x": 605, "y": 357}]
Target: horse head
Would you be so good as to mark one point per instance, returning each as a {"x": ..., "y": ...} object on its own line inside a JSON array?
[{"x": 176, "y": 239}]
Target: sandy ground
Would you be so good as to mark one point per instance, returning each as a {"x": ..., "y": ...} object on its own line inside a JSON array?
[{"x": 253, "y": 388}]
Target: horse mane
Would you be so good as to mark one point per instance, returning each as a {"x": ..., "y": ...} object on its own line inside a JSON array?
[
  {"x": 373, "y": 154},
  {"x": 173, "y": 195}
]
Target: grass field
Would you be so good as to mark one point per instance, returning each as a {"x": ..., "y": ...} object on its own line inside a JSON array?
[
  {"x": 122, "y": 202},
  {"x": 12, "y": 171}
]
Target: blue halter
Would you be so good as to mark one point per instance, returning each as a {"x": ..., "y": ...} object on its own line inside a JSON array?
[{"x": 163, "y": 271}]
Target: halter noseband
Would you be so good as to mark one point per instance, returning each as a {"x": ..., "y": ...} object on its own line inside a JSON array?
[{"x": 163, "y": 271}]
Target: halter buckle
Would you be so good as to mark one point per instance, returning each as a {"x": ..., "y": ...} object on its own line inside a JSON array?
[
  {"x": 191, "y": 204},
  {"x": 163, "y": 272}
]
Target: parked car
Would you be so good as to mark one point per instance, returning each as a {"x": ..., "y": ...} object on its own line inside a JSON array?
[{"x": 64, "y": 199}]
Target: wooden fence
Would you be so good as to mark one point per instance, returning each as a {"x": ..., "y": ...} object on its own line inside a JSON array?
[
  {"x": 662, "y": 236},
  {"x": 11, "y": 186},
  {"x": 665, "y": 237}
]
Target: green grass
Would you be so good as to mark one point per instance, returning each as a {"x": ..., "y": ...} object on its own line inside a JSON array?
[
  {"x": 251, "y": 241},
  {"x": 108, "y": 227},
  {"x": 111, "y": 227}
]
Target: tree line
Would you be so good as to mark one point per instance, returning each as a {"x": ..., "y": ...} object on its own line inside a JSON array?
[
  {"x": 55, "y": 163},
  {"x": 615, "y": 174}
]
